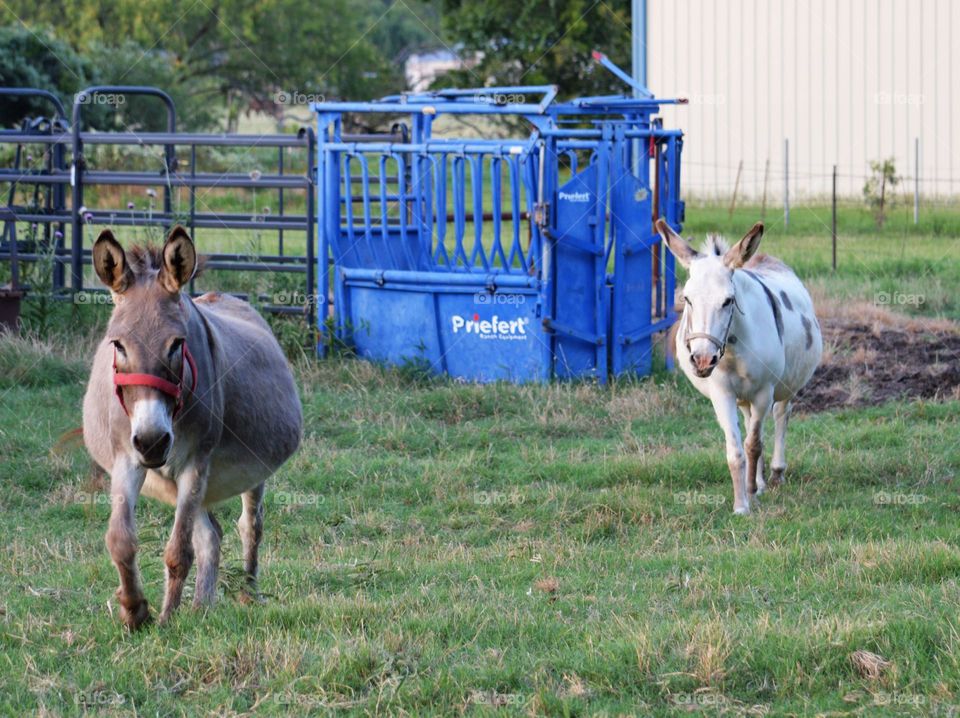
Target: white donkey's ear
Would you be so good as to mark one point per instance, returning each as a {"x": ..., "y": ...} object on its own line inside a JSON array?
[
  {"x": 739, "y": 253},
  {"x": 678, "y": 245}
]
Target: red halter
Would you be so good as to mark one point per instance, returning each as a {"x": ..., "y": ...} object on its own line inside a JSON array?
[{"x": 122, "y": 379}]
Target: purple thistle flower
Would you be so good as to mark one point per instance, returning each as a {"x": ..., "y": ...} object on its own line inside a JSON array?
[
  {"x": 130, "y": 205},
  {"x": 88, "y": 217},
  {"x": 58, "y": 234}
]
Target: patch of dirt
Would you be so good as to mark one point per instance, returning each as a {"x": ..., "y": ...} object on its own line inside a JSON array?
[{"x": 869, "y": 363}]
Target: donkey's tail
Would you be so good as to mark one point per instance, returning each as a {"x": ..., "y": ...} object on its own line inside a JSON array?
[{"x": 68, "y": 439}]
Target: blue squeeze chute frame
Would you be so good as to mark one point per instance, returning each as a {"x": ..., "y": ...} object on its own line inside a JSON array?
[{"x": 561, "y": 276}]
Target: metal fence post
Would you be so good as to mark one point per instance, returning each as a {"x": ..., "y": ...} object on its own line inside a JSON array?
[
  {"x": 736, "y": 188},
  {"x": 786, "y": 182},
  {"x": 916, "y": 182},
  {"x": 833, "y": 231},
  {"x": 766, "y": 174}
]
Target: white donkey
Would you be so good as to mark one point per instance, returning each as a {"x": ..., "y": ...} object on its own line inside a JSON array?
[{"x": 748, "y": 337}]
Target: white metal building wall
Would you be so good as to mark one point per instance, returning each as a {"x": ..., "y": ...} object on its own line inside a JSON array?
[{"x": 847, "y": 81}]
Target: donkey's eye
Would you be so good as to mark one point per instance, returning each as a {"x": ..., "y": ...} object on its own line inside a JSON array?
[
  {"x": 174, "y": 347},
  {"x": 687, "y": 301},
  {"x": 728, "y": 301},
  {"x": 119, "y": 347}
]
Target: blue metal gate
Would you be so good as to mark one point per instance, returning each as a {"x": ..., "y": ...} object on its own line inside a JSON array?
[{"x": 500, "y": 259}]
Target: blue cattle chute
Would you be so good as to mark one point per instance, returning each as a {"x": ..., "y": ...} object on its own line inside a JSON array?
[{"x": 519, "y": 259}]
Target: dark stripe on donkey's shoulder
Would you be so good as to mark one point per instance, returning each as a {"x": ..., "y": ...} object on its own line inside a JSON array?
[
  {"x": 808, "y": 328},
  {"x": 774, "y": 305}
]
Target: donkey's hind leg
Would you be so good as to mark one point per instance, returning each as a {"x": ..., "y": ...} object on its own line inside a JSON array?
[
  {"x": 753, "y": 445},
  {"x": 251, "y": 531},
  {"x": 781, "y": 417},
  {"x": 206, "y": 548}
]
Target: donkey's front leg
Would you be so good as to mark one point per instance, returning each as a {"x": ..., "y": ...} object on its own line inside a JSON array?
[
  {"x": 126, "y": 480},
  {"x": 178, "y": 556},
  {"x": 725, "y": 407}
]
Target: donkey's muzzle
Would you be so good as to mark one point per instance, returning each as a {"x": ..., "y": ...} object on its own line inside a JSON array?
[
  {"x": 704, "y": 363},
  {"x": 153, "y": 447}
]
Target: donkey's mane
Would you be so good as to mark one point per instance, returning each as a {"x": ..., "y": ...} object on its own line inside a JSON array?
[
  {"x": 715, "y": 245},
  {"x": 146, "y": 258}
]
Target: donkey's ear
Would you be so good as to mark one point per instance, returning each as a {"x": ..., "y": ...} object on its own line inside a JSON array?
[
  {"x": 110, "y": 263},
  {"x": 739, "y": 253},
  {"x": 179, "y": 260},
  {"x": 678, "y": 245}
]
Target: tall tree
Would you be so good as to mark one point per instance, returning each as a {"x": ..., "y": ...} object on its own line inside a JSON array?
[
  {"x": 247, "y": 50},
  {"x": 535, "y": 42}
]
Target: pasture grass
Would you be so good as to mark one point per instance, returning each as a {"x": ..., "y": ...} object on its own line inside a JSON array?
[{"x": 444, "y": 549}]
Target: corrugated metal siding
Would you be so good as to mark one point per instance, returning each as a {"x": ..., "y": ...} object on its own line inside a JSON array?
[{"x": 846, "y": 81}]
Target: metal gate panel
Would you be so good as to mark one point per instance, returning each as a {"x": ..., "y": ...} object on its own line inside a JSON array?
[
  {"x": 579, "y": 303},
  {"x": 634, "y": 242}
]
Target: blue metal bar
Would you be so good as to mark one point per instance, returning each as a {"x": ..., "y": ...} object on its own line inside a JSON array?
[
  {"x": 476, "y": 185},
  {"x": 608, "y": 63},
  {"x": 496, "y": 181},
  {"x": 516, "y": 214},
  {"x": 402, "y": 203},
  {"x": 384, "y": 211},
  {"x": 440, "y": 256},
  {"x": 459, "y": 214},
  {"x": 458, "y": 279}
]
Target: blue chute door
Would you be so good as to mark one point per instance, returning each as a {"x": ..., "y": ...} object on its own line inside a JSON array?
[
  {"x": 635, "y": 242},
  {"x": 578, "y": 324}
]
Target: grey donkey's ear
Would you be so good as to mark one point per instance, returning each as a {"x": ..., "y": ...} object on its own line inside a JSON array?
[
  {"x": 179, "y": 260},
  {"x": 678, "y": 245},
  {"x": 110, "y": 263},
  {"x": 740, "y": 253}
]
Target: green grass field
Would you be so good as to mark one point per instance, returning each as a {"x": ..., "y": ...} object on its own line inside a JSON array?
[{"x": 569, "y": 549}]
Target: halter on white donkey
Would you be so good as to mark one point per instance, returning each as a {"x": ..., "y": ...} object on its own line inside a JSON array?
[{"x": 748, "y": 337}]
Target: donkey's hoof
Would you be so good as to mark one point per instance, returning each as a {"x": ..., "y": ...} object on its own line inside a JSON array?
[
  {"x": 135, "y": 617},
  {"x": 776, "y": 479},
  {"x": 251, "y": 598},
  {"x": 741, "y": 510}
]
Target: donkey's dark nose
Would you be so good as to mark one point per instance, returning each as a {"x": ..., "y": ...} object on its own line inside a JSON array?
[
  {"x": 152, "y": 447},
  {"x": 704, "y": 362}
]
